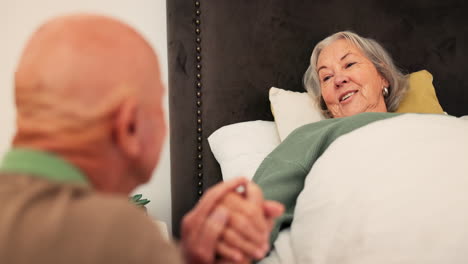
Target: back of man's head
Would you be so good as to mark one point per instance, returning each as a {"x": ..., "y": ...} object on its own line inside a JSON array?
[{"x": 91, "y": 85}]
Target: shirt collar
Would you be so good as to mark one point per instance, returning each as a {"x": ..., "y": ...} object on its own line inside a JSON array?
[{"x": 43, "y": 165}]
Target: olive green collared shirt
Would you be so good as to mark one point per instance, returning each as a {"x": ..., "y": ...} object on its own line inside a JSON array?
[
  {"x": 50, "y": 214},
  {"x": 42, "y": 165}
]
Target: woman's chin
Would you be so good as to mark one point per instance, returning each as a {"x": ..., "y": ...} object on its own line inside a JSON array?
[{"x": 350, "y": 111}]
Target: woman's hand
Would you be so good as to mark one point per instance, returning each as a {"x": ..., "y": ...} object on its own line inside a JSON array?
[
  {"x": 202, "y": 226},
  {"x": 235, "y": 226},
  {"x": 247, "y": 233}
]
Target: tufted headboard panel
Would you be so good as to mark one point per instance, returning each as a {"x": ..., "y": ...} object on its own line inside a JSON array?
[{"x": 224, "y": 56}]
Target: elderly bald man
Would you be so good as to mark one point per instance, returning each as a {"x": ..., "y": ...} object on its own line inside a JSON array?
[{"x": 90, "y": 126}]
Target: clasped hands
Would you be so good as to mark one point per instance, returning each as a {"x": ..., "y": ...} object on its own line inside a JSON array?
[{"x": 227, "y": 226}]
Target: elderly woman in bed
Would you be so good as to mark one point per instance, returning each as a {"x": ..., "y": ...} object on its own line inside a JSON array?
[{"x": 350, "y": 74}]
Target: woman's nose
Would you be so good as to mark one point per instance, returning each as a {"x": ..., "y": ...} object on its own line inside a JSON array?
[{"x": 340, "y": 79}]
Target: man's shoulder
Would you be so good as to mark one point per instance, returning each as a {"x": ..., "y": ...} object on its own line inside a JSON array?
[
  {"x": 106, "y": 205},
  {"x": 64, "y": 222},
  {"x": 114, "y": 224},
  {"x": 109, "y": 212}
]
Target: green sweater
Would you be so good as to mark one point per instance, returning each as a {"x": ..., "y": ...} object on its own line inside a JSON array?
[{"x": 282, "y": 174}]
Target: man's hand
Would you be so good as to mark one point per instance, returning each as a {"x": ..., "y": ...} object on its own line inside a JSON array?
[
  {"x": 248, "y": 228},
  {"x": 202, "y": 227}
]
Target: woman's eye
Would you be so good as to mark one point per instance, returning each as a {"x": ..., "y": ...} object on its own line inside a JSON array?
[
  {"x": 350, "y": 64},
  {"x": 326, "y": 78}
]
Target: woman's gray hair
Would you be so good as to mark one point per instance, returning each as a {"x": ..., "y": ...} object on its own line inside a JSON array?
[{"x": 375, "y": 53}]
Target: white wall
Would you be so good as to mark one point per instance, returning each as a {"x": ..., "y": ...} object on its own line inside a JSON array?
[{"x": 19, "y": 18}]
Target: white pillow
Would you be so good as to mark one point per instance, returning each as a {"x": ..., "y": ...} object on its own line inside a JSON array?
[
  {"x": 292, "y": 110},
  {"x": 240, "y": 148}
]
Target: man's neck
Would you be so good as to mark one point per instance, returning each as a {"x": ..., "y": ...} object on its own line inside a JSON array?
[{"x": 101, "y": 166}]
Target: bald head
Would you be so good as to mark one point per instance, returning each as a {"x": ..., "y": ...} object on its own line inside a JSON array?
[{"x": 76, "y": 70}]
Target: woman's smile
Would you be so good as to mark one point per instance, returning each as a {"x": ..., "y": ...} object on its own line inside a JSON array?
[{"x": 346, "y": 97}]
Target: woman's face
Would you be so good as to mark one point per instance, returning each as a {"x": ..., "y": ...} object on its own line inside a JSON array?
[{"x": 349, "y": 82}]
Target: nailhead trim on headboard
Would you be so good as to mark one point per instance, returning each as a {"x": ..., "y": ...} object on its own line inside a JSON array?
[{"x": 198, "y": 88}]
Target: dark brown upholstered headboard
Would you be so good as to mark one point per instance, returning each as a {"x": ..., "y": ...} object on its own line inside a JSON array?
[{"x": 224, "y": 55}]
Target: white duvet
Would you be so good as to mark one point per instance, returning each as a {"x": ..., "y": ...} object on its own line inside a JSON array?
[{"x": 394, "y": 191}]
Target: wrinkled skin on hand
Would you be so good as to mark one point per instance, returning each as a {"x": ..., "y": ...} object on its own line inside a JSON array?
[
  {"x": 248, "y": 228},
  {"x": 227, "y": 226}
]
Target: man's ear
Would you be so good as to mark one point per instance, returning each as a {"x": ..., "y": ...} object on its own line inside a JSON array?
[{"x": 125, "y": 129}]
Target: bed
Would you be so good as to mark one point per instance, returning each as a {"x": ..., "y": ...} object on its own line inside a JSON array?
[{"x": 224, "y": 56}]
